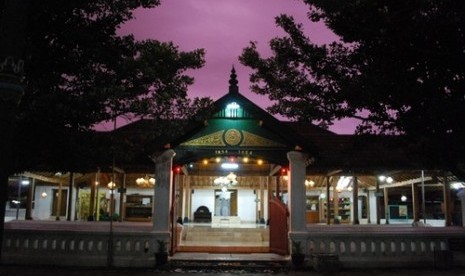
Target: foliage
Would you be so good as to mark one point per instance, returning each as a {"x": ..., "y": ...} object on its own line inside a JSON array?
[
  {"x": 296, "y": 247},
  {"x": 162, "y": 246},
  {"x": 398, "y": 68},
  {"x": 79, "y": 72},
  {"x": 106, "y": 217}
]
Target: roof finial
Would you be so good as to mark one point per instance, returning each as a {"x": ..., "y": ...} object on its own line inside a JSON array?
[{"x": 233, "y": 81}]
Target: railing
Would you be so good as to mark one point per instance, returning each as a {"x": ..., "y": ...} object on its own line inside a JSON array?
[
  {"x": 354, "y": 246},
  {"x": 397, "y": 248},
  {"x": 79, "y": 249}
]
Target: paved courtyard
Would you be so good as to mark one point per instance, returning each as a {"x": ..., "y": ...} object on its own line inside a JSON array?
[{"x": 75, "y": 271}]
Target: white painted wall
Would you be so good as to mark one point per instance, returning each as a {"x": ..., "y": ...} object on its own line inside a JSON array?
[
  {"x": 246, "y": 205},
  {"x": 202, "y": 197},
  {"x": 43, "y": 205}
]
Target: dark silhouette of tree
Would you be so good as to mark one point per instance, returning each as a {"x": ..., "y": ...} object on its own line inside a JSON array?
[
  {"x": 398, "y": 68},
  {"x": 79, "y": 72}
]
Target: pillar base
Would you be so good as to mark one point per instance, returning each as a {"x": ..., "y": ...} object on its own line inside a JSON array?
[{"x": 298, "y": 237}]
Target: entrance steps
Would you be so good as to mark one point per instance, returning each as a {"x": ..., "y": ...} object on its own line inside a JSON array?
[
  {"x": 205, "y": 262},
  {"x": 229, "y": 239}
]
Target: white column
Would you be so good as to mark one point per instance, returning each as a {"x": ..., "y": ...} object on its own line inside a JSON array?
[
  {"x": 447, "y": 201},
  {"x": 461, "y": 195},
  {"x": 162, "y": 191},
  {"x": 296, "y": 189}
]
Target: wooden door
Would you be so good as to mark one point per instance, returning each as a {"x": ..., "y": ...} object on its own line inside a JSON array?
[{"x": 278, "y": 225}]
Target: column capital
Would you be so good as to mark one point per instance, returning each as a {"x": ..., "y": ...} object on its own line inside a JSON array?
[
  {"x": 295, "y": 156},
  {"x": 166, "y": 156}
]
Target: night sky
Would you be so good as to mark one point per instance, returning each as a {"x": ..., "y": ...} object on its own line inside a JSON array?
[{"x": 223, "y": 28}]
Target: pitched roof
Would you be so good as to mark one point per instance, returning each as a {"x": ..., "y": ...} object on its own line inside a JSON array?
[{"x": 356, "y": 152}]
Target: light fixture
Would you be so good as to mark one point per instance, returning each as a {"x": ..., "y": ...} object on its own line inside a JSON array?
[
  {"x": 111, "y": 185},
  {"x": 457, "y": 185},
  {"x": 343, "y": 182},
  {"x": 403, "y": 198},
  {"x": 260, "y": 162},
  {"x": 245, "y": 159},
  {"x": 145, "y": 181},
  {"x": 310, "y": 183},
  {"x": 229, "y": 166},
  {"x": 386, "y": 179},
  {"x": 230, "y": 179},
  {"x": 43, "y": 194},
  {"x": 322, "y": 196},
  {"x": 233, "y": 105}
]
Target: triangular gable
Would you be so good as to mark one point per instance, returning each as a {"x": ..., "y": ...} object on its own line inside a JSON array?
[{"x": 239, "y": 125}]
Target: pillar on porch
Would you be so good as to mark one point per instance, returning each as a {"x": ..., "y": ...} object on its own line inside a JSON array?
[
  {"x": 162, "y": 191},
  {"x": 378, "y": 195},
  {"x": 328, "y": 201},
  {"x": 386, "y": 205},
  {"x": 296, "y": 189},
  {"x": 335, "y": 206},
  {"x": 262, "y": 199},
  {"x": 187, "y": 196},
  {"x": 415, "y": 203},
  {"x": 461, "y": 195},
  {"x": 356, "y": 219},
  {"x": 71, "y": 195},
  {"x": 447, "y": 201}
]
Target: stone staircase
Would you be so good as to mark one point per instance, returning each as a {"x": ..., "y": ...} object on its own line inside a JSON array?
[
  {"x": 208, "y": 239},
  {"x": 231, "y": 266}
]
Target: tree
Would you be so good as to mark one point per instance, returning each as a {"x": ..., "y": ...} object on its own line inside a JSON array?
[
  {"x": 398, "y": 68},
  {"x": 79, "y": 72}
]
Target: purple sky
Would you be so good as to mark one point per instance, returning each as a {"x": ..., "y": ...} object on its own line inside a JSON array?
[{"x": 223, "y": 28}]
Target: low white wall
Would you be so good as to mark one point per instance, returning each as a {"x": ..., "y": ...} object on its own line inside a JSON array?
[{"x": 70, "y": 248}]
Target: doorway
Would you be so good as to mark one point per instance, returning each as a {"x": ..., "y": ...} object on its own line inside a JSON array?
[
  {"x": 63, "y": 202},
  {"x": 225, "y": 203}
]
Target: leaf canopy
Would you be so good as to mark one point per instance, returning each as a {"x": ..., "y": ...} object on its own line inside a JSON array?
[
  {"x": 398, "y": 68},
  {"x": 80, "y": 72}
]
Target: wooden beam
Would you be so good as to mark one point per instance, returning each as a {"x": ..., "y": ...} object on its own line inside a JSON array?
[
  {"x": 43, "y": 178},
  {"x": 274, "y": 170},
  {"x": 405, "y": 183},
  {"x": 117, "y": 169},
  {"x": 54, "y": 179},
  {"x": 333, "y": 172}
]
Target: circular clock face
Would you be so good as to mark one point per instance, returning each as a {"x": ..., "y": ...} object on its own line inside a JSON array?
[{"x": 232, "y": 137}]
